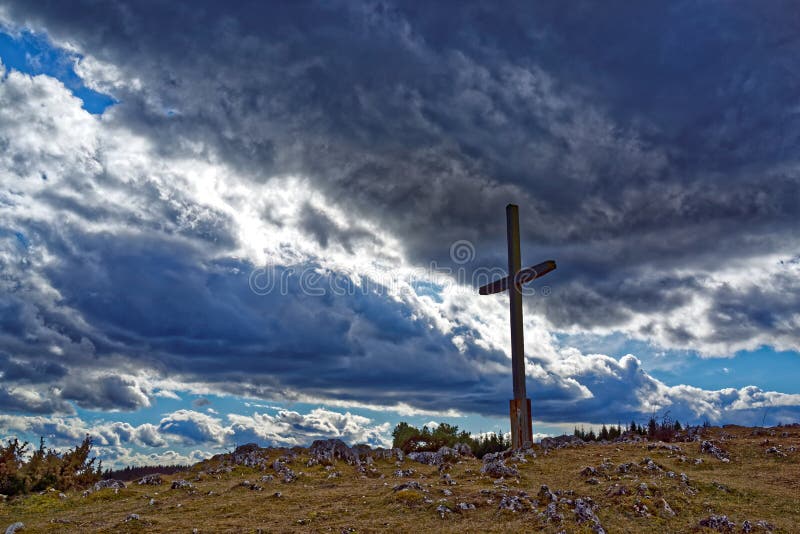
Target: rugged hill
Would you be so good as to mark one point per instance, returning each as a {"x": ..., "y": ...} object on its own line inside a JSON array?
[{"x": 730, "y": 479}]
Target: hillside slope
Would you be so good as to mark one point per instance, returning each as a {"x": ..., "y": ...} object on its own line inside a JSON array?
[{"x": 628, "y": 487}]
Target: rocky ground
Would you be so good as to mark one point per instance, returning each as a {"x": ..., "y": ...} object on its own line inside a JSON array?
[{"x": 730, "y": 479}]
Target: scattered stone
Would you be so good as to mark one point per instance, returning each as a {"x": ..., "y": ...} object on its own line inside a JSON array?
[
  {"x": 666, "y": 509},
  {"x": 698, "y": 461},
  {"x": 616, "y": 490},
  {"x": 559, "y": 442},
  {"x": 327, "y": 451},
  {"x": 642, "y": 489},
  {"x": 152, "y": 502},
  {"x": 512, "y": 503},
  {"x": 463, "y": 449},
  {"x": 776, "y": 451},
  {"x": 62, "y": 496},
  {"x": 589, "y": 471},
  {"x": 551, "y": 513},
  {"x": 285, "y": 472},
  {"x": 709, "y": 447},
  {"x": 109, "y": 483},
  {"x": 769, "y": 527},
  {"x": 446, "y": 492},
  {"x": 663, "y": 446},
  {"x": 443, "y": 510},
  {"x": 626, "y": 467},
  {"x": 583, "y": 513},
  {"x": 592, "y": 481},
  {"x": 250, "y": 455},
  {"x": 650, "y": 465},
  {"x": 720, "y": 523},
  {"x": 546, "y": 495},
  {"x": 14, "y": 527},
  {"x": 267, "y": 478},
  {"x": 150, "y": 480},
  {"x": 408, "y": 485},
  {"x": 444, "y": 454},
  {"x": 132, "y": 517},
  {"x": 404, "y": 473},
  {"x": 640, "y": 509},
  {"x": 181, "y": 484},
  {"x": 747, "y": 526},
  {"x": 607, "y": 465},
  {"x": 720, "y": 486},
  {"x": 466, "y": 506},
  {"x": 277, "y": 494},
  {"x": 498, "y": 469}
]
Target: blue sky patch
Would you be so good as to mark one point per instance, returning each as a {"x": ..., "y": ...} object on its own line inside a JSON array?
[{"x": 34, "y": 54}]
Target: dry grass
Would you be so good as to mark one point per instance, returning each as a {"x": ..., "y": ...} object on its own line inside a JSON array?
[{"x": 756, "y": 486}]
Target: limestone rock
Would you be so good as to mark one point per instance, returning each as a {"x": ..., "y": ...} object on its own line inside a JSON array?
[
  {"x": 109, "y": 483},
  {"x": 498, "y": 469},
  {"x": 709, "y": 447},
  {"x": 408, "y": 485},
  {"x": 584, "y": 513},
  {"x": 720, "y": 523},
  {"x": 15, "y": 527},
  {"x": 559, "y": 442},
  {"x": 151, "y": 480},
  {"x": 181, "y": 484},
  {"x": 327, "y": 451},
  {"x": 513, "y": 503}
]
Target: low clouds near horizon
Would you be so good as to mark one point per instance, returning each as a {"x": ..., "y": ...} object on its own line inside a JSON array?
[{"x": 352, "y": 144}]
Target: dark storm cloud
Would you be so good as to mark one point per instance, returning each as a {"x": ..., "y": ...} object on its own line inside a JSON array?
[
  {"x": 631, "y": 135},
  {"x": 324, "y": 229},
  {"x": 642, "y": 143}
]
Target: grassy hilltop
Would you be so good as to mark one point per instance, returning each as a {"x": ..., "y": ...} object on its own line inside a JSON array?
[{"x": 621, "y": 489}]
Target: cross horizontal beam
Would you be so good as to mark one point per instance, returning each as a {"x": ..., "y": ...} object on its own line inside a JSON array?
[{"x": 523, "y": 277}]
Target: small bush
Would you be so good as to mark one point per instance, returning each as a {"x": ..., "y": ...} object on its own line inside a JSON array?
[
  {"x": 410, "y": 439},
  {"x": 46, "y": 468}
]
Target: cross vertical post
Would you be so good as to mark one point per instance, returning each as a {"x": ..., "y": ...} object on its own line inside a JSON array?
[{"x": 520, "y": 405}]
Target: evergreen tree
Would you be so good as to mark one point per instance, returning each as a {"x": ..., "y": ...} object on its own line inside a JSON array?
[{"x": 652, "y": 427}]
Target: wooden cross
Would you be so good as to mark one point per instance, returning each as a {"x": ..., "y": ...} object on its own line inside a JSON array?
[{"x": 520, "y": 405}]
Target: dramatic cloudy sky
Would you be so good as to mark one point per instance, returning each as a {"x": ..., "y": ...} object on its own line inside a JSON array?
[{"x": 264, "y": 222}]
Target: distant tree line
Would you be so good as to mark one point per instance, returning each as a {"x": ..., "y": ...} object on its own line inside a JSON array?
[
  {"x": 137, "y": 472},
  {"x": 664, "y": 430},
  {"x": 410, "y": 438},
  {"x": 46, "y": 468}
]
